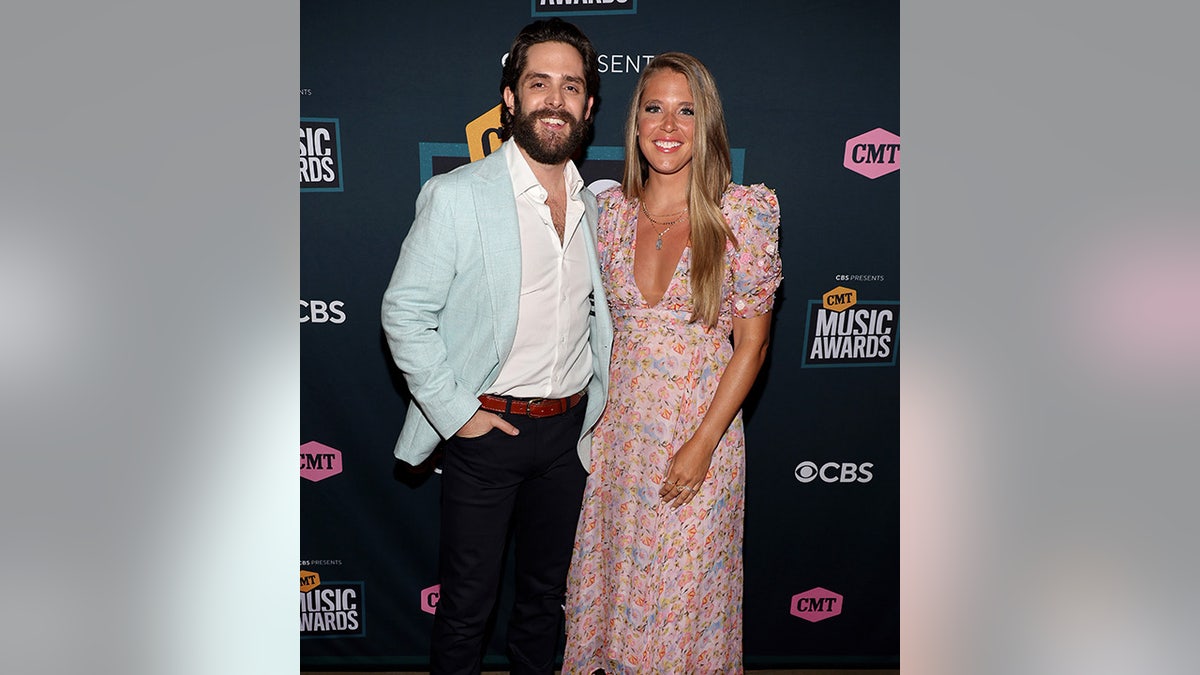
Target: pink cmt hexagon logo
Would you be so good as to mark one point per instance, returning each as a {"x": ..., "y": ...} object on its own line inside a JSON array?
[
  {"x": 319, "y": 461},
  {"x": 873, "y": 154},
  {"x": 816, "y": 604},
  {"x": 429, "y": 599}
]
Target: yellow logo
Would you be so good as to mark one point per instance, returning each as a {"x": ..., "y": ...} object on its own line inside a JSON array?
[
  {"x": 309, "y": 581},
  {"x": 483, "y": 133},
  {"x": 839, "y": 299}
]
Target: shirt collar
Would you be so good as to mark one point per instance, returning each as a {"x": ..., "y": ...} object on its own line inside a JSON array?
[{"x": 522, "y": 176}]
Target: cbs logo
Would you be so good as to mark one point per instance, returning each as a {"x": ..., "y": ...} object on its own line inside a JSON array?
[
  {"x": 319, "y": 311},
  {"x": 834, "y": 472}
]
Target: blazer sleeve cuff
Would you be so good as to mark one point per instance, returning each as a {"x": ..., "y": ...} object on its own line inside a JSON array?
[{"x": 451, "y": 417}]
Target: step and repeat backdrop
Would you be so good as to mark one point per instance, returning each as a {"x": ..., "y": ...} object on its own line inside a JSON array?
[{"x": 395, "y": 92}]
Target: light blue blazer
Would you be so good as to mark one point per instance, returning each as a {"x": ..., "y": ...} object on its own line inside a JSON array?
[{"x": 450, "y": 309}]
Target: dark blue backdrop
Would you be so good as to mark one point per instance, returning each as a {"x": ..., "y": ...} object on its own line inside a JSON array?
[{"x": 809, "y": 87}]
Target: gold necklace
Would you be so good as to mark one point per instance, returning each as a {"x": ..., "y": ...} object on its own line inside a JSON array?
[{"x": 669, "y": 224}]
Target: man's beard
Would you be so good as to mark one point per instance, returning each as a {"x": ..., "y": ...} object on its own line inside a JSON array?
[{"x": 544, "y": 150}]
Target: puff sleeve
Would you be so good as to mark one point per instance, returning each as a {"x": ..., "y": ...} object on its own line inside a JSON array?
[{"x": 755, "y": 265}]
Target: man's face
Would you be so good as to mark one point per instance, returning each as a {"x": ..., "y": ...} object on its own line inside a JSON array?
[{"x": 551, "y": 104}]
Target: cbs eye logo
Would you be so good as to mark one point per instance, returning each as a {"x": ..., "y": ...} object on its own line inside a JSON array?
[{"x": 834, "y": 472}]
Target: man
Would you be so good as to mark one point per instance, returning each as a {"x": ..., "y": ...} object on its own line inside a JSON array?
[{"x": 496, "y": 316}]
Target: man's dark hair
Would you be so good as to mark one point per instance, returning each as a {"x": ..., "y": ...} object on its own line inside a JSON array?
[{"x": 548, "y": 30}]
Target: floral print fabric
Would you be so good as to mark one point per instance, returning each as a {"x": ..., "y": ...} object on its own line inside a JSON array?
[{"x": 654, "y": 589}]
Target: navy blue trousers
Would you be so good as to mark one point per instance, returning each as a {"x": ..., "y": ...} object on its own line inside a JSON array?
[{"x": 533, "y": 483}]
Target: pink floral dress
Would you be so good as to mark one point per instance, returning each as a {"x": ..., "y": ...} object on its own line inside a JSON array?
[{"x": 654, "y": 589}]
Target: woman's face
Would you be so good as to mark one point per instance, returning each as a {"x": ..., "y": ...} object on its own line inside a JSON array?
[{"x": 666, "y": 122}]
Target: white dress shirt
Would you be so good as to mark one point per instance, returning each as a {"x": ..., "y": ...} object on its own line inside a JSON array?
[{"x": 550, "y": 357}]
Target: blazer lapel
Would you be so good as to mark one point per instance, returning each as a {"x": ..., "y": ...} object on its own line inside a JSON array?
[{"x": 499, "y": 233}]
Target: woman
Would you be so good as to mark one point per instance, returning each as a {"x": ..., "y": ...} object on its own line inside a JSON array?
[{"x": 689, "y": 259}]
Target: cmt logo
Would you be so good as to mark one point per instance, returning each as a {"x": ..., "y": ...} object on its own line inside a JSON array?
[
  {"x": 583, "y": 7},
  {"x": 835, "y": 472},
  {"x": 873, "y": 154},
  {"x": 837, "y": 299},
  {"x": 320, "y": 311},
  {"x": 483, "y": 134},
  {"x": 429, "y": 599},
  {"x": 816, "y": 604},
  {"x": 319, "y": 461},
  {"x": 309, "y": 581}
]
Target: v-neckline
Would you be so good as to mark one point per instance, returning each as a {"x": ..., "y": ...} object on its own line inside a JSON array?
[{"x": 633, "y": 264}]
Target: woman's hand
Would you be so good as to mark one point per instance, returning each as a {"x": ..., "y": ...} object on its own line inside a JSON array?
[{"x": 686, "y": 473}]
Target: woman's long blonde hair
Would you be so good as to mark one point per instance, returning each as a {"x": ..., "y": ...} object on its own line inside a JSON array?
[{"x": 710, "y": 175}]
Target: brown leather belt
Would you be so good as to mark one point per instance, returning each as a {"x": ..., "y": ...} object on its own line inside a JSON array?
[{"x": 530, "y": 407}]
